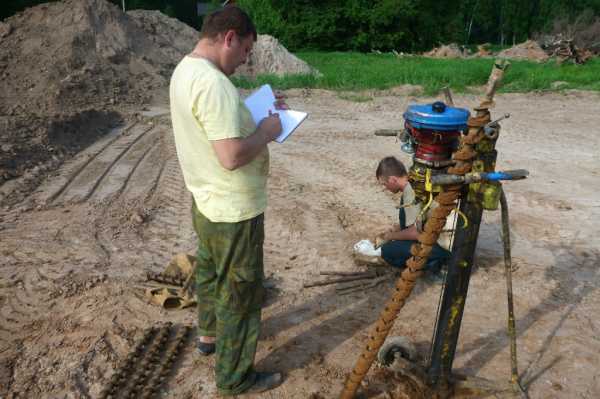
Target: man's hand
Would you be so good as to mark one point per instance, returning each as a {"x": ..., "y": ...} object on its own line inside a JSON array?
[
  {"x": 395, "y": 227},
  {"x": 395, "y": 234},
  {"x": 385, "y": 235},
  {"x": 379, "y": 240},
  {"x": 270, "y": 126}
]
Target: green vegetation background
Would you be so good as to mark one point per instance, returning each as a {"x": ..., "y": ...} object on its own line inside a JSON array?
[
  {"x": 384, "y": 25},
  {"x": 348, "y": 71},
  {"x": 338, "y": 36}
]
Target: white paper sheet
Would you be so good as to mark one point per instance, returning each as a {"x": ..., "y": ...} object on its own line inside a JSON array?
[{"x": 262, "y": 101}]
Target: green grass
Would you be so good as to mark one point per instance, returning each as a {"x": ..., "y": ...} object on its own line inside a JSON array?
[{"x": 357, "y": 71}]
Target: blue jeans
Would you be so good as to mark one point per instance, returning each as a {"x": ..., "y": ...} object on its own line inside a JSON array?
[{"x": 396, "y": 253}]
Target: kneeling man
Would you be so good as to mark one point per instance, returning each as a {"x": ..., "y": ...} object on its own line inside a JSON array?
[{"x": 391, "y": 174}]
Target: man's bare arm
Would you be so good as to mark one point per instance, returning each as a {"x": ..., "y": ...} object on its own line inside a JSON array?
[
  {"x": 410, "y": 234},
  {"x": 237, "y": 152}
]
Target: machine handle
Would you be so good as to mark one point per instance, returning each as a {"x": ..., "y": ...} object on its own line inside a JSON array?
[
  {"x": 443, "y": 180},
  {"x": 517, "y": 174}
]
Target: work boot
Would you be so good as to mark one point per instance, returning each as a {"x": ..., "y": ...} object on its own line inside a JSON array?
[{"x": 265, "y": 381}]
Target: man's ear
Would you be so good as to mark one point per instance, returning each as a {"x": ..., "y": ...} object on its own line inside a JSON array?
[{"x": 228, "y": 38}]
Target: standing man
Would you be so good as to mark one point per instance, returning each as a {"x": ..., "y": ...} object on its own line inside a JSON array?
[
  {"x": 391, "y": 174},
  {"x": 225, "y": 162}
]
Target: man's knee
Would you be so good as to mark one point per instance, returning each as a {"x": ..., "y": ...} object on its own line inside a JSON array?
[
  {"x": 244, "y": 291},
  {"x": 396, "y": 253}
]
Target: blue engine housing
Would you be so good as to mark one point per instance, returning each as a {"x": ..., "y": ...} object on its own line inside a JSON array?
[{"x": 437, "y": 116}]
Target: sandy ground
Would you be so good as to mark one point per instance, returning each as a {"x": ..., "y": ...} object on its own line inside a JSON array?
[{"x": 73, "y": 255}]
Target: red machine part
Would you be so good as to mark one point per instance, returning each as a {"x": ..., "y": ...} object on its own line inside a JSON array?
[{"x": 433, "y": 145}]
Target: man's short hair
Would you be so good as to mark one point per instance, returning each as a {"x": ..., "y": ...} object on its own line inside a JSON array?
[
  {"x": 390, "y": 166},
  {"x": 227, "y": 18}
]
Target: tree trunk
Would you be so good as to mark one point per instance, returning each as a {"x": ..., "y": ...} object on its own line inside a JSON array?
[{"x": 471, "y": 22}]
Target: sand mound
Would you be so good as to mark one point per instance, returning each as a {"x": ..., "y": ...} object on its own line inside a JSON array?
[
  {"x": 445, "y": 51},
  {"x": 77, "y": 54},
  {"x": 59, "y": 62},
  {"x": 172, "y": 36},
  {"x": 529, "y": 50},
  {"x": 270, "y": 57},
  {"x": 177, "y": 39}
]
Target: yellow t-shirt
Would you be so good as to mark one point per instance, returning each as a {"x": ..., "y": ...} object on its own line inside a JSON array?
[{"x": 206, "y": 106}]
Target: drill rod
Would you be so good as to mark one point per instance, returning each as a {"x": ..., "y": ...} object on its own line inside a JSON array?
[{"x": 512, "y": 331}]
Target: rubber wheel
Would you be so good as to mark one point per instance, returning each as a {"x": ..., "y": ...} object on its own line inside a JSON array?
[{"x": 396, "y": 345}]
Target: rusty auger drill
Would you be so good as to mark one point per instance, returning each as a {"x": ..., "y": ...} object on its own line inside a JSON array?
[{"x": 453, "y": 168}]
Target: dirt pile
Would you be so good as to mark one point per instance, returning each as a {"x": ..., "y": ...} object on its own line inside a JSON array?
[
  {"x": 173, "y": 37},
  {"x": 483, "y": 50},
  {"x": 529, "y": 50},
  {"x": 270, "y": 57},
  {"x": 62, "y": 62},
  {"x": 177, "y": 39},
  {"x": 77, "y": 54},
  {"x": 5, "y": 29},
  {"x": 446, "y": 51}
]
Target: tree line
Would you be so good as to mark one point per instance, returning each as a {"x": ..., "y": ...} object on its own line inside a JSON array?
[
  {"x": 412, "y": 25},
  {"x": 384, "y": 25}
]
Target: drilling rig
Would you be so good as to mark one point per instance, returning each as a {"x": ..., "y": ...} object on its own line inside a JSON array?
[{"x": 454, "y": 161}]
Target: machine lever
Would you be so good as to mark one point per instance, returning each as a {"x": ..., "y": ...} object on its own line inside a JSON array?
[{"x": 444, "y": 179}]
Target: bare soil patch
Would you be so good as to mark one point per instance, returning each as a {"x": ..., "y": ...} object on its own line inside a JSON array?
[
  {"x": 84, "y": 102},
  {"x": 73, "y": 264}
]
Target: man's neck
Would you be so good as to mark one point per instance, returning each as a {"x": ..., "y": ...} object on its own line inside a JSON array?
[
  {"x": 208, "y": 51},
  {"x": 403, "y": 182}
]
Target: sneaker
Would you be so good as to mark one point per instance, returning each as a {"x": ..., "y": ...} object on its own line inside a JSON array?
[
  {"x": 367, "y": 260},
  {"x": 206, "y": 349},
  {"x": 265, "y": 381}
]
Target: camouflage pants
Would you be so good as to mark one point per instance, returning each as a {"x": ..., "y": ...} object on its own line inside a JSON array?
[{"x": 230, "y": 295}]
